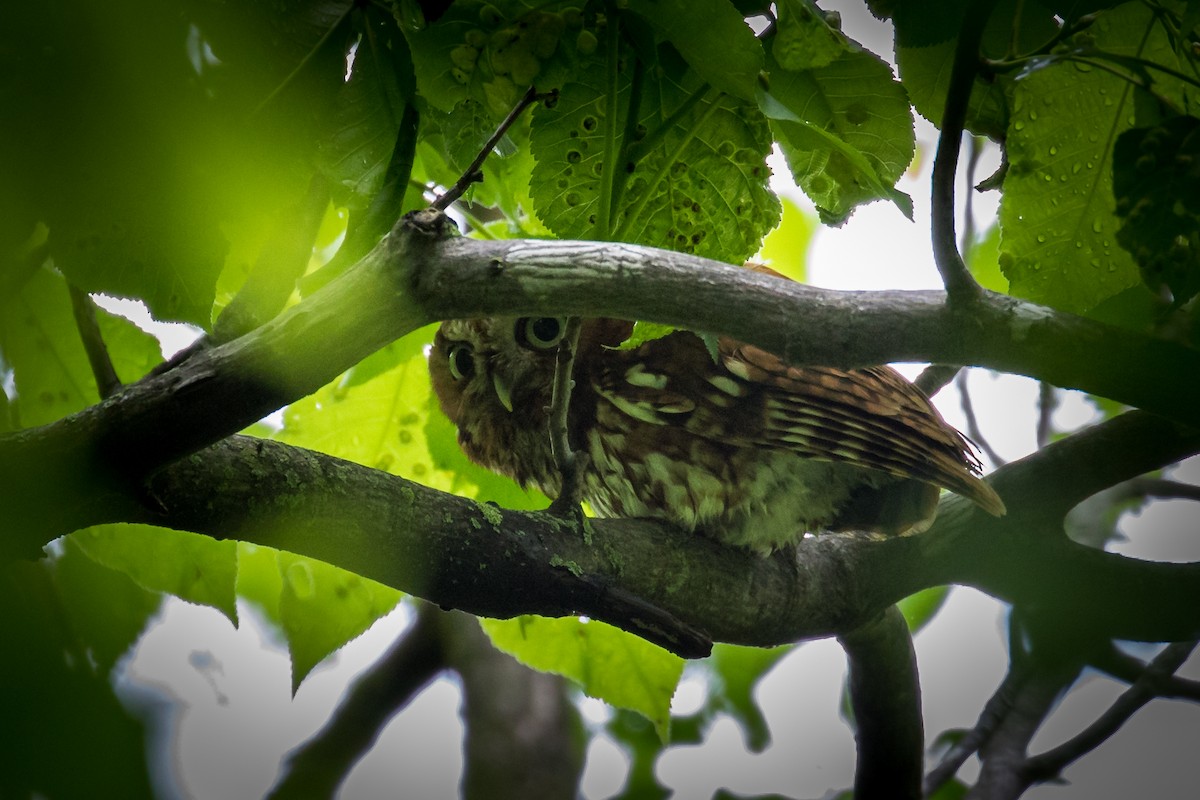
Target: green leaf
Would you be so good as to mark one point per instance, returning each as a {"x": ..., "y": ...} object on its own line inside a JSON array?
[
  {"x": 6, "y": 417},
  {"x": 643, "y": 745},
  {"x": 607, "y": 663},
  {"x": 379, "y": 422},
  {"x": 645, "y": 332},
  {"x": 1058, "y": 226},
  {"x": 804, "y": 39},
  {"x": 361, "y": 130},
  {"x": 132, "y": 248},
  {"x": 322, "y": 607},
  {"x": 1157, "y": 189},
  {"x": 983, "y": 259},
  {"x": 918, "y": 609},
  {"x": 694, "y": 180},
  {"x": 491, "y": 50},
  {"x": 953, "y": 789},
  {"x": 74, "y": 733},
  {"x": 712, "y": 37},
  {"x": 925, "y": 45},
  {"x": 107, "y": 629},
  {"x": 785, "y": 249},
  {"x": 738, "y": 671},
  {"x": 846, "y": 130},
  {"x": 258, "y": 579},
  {"x": 1136, "y": 308},
  {"x": 192, "y": 567},
  {"x": 40, "y": 341}
]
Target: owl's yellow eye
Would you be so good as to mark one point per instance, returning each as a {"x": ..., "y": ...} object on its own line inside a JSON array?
[
  {"x": 462, "y": 364},
  {"x": 540, "y": 333}
]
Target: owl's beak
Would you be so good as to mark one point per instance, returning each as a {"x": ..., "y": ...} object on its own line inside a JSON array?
[{"x": 503, "y": 391}]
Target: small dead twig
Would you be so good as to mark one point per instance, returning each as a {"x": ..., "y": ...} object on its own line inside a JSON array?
[
  {"x": 973, "y": 430},
  {"x": 571, "y": 464},
  {"x": 473, "y": 173},
  {"x": 107, "y": 382}
]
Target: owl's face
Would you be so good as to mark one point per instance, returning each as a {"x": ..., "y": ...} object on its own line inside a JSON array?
[{"x": 493, "y": 378}]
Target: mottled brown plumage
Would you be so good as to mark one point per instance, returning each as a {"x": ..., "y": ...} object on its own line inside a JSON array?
[{"x": 743, "y": 447}]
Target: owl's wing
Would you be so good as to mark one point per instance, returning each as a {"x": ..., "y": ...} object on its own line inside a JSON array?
[
  {"x": 870, "y": 417},
  {"x": 873, "y": 417}
]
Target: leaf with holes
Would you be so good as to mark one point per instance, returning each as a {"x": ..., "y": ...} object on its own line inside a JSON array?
[
  {"x": 693, "y": 176},
  {"x": 846, "y": 130}
]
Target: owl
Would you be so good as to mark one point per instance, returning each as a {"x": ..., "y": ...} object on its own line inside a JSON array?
[{"x": 737, "y": 445}]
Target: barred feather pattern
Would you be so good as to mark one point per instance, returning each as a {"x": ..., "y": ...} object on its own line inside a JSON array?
[{"x": 742, "y": 447}]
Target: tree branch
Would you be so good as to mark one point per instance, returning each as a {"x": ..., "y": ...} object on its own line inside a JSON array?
[
  {"x": 1035, "y": 699},
  {"x": 317, "y": 767},
  {"x": 994, "y": 711},
  {"x": 1125, "y": 667},
  {"x": 973, "y": 431},
  {"x": 473, "y": 173},
  {"x": 1048, "y": 765},
  {"x": 566, "y": 459},
  {"x": 522, "y": 730},
  {"x": 493, "y": 562},
  {"x": 936, "y": 377},
  {"x": 885, "y": 694},
  {"x": 61, "y": 475},
  {"x": 957, "y": 278}
]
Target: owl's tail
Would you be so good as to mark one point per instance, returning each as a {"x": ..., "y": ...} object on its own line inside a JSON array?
[{"x": 909, "y": 506}]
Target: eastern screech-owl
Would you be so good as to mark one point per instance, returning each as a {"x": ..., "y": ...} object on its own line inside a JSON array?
[{"x": 742, "y": 447}]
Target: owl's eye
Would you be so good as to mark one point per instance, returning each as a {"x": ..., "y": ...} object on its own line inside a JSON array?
[
  {"x": 540, "y": 333},
  {"x": 462, "y": 364}
]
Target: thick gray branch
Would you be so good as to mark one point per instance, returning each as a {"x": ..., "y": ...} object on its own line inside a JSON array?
[
  {"x": 885, "y": 694},
  {"x": 493, "y": 562},
  {"x": 86, "y": 468}
]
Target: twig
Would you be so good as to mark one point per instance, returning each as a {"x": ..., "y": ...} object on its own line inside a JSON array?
[
  {"x": 885, "y": 695},
  {"x": 1048, "y": 765},
  {"x": 1048, "y": 654},
  {"x": 994, "y": 711},
  {"x": 1125, "y": 667},
  {"x": 519, "y": 723},
  {"x": 317, "y": 767},
  {"x": 960, "y": 284},
  {"x": 473, "y": 173},
  {"x": 1163, "y": 489},
  {"x": 1047, "y": 402},
  {"x": 84, "y": 309},
  {"x": 936, "y": 377},
  {"x": 571, "y": 465},
  {"x": 973, "y": 430}
]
